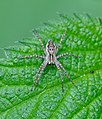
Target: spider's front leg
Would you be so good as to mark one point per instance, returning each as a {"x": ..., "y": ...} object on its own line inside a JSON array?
[
  {"x": 39, "y": 73},
  {"x": 36, "y": 34},
  {"x": 62, "y": 38}
]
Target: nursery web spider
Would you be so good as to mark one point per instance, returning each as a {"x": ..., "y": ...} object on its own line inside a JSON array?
[{"x": 50, "y": 58}]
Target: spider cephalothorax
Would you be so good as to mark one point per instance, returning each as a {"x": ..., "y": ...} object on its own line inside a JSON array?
[
  {"x": 50, "y": 47},
  {"x": 51, "y": 58}
]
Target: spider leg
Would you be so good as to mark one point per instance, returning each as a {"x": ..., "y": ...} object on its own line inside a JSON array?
[
  {"x": 67, "y": 54},
  {"x": 68, "y": 76},
  {"x": 62, "y": 38},
  {"x": 58, "y": 67},
  {"x": 31, "y": 56},
  {"x": 36, "y": 34},
  {"x": 39, "y": 73}
]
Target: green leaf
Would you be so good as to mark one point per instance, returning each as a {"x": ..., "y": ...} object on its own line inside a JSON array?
[{"x": 84, "y": 39}]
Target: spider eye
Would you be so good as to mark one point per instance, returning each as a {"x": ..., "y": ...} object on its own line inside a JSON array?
[{"x": 51, "y": 49}]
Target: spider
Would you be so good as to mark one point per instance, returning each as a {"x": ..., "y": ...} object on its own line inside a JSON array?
[{"x": 50, "y": 58}]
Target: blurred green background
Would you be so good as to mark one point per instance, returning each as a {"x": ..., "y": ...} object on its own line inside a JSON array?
[{"x": 19, "y": 17}]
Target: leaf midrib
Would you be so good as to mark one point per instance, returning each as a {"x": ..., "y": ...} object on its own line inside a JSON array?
[{"x": 31, "y": 96}]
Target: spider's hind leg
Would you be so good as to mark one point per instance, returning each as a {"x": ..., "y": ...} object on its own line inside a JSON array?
[
  {"x": 68, "y": 76},
  {"x": 58, "y": 67},
  {"x": 39, "y": 73}
]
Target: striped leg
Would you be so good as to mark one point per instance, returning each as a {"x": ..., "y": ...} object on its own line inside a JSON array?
[
  {"x": 66, "y": 74},
  {"x": 67, "y": 54},
  {"x": 58, "y": 67},
  {"x": 62, "y": 38},
  {"x": 36, "y": 34},
  {"x": 39, "y": 73},
  {"x": 31, "y": 56}
]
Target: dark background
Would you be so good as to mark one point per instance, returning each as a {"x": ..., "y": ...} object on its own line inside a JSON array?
[{"x": 19, "y": 17}]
